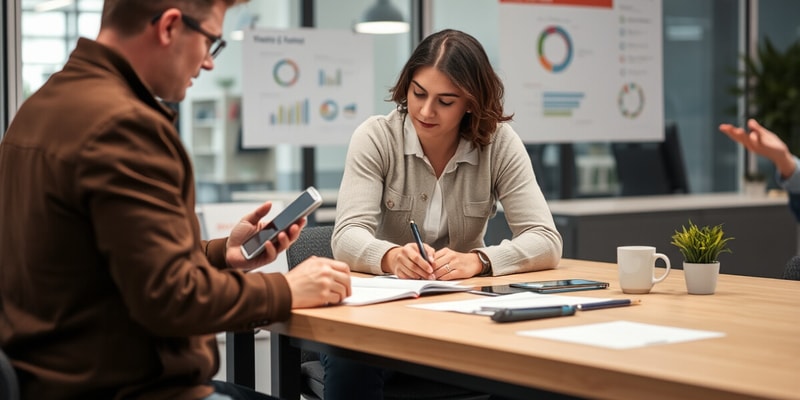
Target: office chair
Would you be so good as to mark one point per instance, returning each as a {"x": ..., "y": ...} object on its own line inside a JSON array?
[
  {"x": 316, "y": 241},
  {"x": 9, "y": 386},
  {"x": 792, "y": 270},
  {"x": 651, "y": 168}
]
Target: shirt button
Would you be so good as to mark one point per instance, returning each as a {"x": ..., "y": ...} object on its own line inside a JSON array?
[
  {"x": 389, "y": 204},
  {"x": 424, "y": 197}
]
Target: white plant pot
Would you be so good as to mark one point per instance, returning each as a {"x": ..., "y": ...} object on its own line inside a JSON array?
[{"x": 701, "y": 278}]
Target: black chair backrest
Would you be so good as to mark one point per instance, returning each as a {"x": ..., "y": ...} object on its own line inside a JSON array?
[
  {"x": 792, "y": 270},
  {"x": 9, "y": 387},
  {"x": 313, "y": 241},
  {"x": 651, "y": 168}
]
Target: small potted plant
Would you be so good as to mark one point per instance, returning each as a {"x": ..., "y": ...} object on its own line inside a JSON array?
[{"x": 701, "y": 247}]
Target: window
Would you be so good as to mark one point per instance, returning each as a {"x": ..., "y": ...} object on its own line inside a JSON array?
[
  {"x": 702, "y": 43},
  {"x": 49, "y": 32}
]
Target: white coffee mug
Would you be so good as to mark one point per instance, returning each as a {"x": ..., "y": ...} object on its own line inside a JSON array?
[{"x": 637, "y": 266}]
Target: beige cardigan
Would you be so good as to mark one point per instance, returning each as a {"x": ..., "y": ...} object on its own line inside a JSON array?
[{"x": 383, "y": 188}]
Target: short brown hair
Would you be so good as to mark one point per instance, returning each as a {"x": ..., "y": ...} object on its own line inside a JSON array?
[
  {"x": 129, "y": 17},
  {"x": 461, "y": 58}
]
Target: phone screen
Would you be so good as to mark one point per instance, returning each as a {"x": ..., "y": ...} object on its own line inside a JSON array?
[{"x": 299, "y": 208}]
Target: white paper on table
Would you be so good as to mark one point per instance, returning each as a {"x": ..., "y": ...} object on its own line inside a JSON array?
[
  {"x": 515, "y": 300},
  {"x": 621, "y": 335}
]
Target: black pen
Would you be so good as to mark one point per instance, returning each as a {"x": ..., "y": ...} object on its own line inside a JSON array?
[
  {"x": 415, "y": 232},
  {"x": 608, "y": 304},
  {"x": 524, "y": 314}
]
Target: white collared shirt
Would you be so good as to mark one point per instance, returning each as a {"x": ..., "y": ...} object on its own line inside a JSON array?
[{"x": 435, "y": 224}]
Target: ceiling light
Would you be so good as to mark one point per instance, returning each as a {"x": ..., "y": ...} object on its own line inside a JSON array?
[{"x": 382, "y": 18}]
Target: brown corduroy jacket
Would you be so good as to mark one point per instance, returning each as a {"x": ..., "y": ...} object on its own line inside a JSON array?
[{"x": 106, "y": 289}]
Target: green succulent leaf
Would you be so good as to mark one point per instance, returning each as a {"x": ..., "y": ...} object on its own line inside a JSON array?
[{"x": 701, "y": 244}]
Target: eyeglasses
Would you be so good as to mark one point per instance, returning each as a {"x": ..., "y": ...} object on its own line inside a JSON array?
[{"x": 217, "y": 43}]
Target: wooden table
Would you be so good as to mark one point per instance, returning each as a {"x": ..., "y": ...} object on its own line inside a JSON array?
[{"x": 759, "y": 357}]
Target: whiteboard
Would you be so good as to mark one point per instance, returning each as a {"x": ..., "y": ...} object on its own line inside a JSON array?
[
  {"x": 305, "y": 86},
  {"x": 583, "y": 70}
]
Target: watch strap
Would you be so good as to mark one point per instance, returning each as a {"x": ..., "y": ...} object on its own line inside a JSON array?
[{"x": 487, "y": 264}]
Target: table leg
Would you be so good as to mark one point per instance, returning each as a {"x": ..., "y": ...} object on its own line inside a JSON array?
[
  {"x": 285, "y": 370},
  {"x": 240, "y": 358}
]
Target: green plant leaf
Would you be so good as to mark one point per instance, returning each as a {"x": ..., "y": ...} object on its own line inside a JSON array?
[
  {"x": 773, "y": 87},
  {"x": 701, "y": 244}
]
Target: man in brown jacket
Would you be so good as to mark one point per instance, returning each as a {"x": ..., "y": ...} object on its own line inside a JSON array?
[{"x": 106, "y": 289}]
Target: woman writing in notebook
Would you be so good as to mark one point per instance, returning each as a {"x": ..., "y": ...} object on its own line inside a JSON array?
[{"x": 443, "y": 158}]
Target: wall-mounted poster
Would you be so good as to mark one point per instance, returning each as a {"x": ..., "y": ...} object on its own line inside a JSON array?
[
  {"x": 305, "y": 86},
  {"x": 583, "y": 70}
]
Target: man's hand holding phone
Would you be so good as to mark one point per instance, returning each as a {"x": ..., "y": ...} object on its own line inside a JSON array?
[
  {"x": 293, "y": 214},
  {"x": 249, "y": 225},
  {"x": 315, "y": 282}
]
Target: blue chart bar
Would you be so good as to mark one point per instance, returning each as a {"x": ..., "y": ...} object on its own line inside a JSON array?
[
  {"x": 293, "y": 114},
  {"x": 560, "y": 104},
  {"x": 334, "y": 79}
]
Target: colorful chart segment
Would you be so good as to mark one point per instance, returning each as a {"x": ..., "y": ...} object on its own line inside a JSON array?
[
  {"x": 285, "y": 72},
  {"x": 334, "y": 79},
  {"x": 548, "y": 64},
  {"x": 294, "y": 114},
  {"x": 561, "y": 104},
  {"x": 630, "y": 100},
  {"x": 329, "y": 110}
]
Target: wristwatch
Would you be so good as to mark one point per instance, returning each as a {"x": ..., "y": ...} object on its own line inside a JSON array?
[{"x": 487, "y": 265}]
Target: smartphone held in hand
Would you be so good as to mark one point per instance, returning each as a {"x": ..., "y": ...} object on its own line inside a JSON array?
[{"x": 301, "y": 207}]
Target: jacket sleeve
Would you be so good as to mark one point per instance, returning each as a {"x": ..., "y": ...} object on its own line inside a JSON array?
[
  {"x": 136, "y": 181},
  {"x": 536, "y": 243},
  {"x": 215, "y": 252},
  {"x": 358, "y": 207}
]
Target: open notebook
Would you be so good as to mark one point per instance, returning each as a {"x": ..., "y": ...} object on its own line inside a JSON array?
[{"x": 382, "y": 289}]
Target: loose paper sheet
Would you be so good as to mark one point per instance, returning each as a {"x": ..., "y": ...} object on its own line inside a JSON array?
[
  {"x": 516, "y": 300},
  {"x": 621, "y": 335}
]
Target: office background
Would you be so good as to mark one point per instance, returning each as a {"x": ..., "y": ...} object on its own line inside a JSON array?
[{"x": 702, "y": 44}]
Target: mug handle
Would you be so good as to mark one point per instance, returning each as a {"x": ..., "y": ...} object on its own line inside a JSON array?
[{"x": 662, "y": 256}]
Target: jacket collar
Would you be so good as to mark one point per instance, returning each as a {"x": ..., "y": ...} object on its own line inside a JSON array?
[{"x": 103, "y": 57}]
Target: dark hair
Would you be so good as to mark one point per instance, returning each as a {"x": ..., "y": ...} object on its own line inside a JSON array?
[
  {"x": 129, "y": 17},
  {"x": 461, "y": 58}
]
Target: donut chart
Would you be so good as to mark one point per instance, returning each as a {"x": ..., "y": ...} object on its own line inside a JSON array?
[
  {"x": 328, "y": 110},
  {"x": 285, "y": 72},
  {"x": 548, "y": 64},
  {"x": 630, "y": 100}
]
